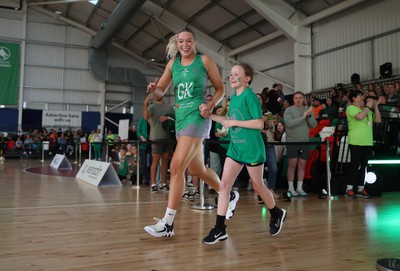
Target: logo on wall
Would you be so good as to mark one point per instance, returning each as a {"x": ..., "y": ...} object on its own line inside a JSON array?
[{"x": 4, "y": 53}]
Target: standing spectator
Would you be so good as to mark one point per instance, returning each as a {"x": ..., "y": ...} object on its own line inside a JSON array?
[
  {"x": 144, "y": 150},
  {"x": 98, "y": 145},
  {"x": 110, "y": 139},
  {"x": 392, "y": 96},
  {"x": 132, "y": 136},
  {"x": 360, "y": 119},
  {"x": 246, "y": 149},
  {"x": 280, "y": 136},
  {"x": 187, "y": 70},
  {"x": 298, "y": 120},
  {"x": 268, "y": 136},
  {"x": 273, "y": 101},
  {"x": 156, "y": 113}
]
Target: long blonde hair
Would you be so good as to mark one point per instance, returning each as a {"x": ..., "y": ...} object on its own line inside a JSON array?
[{"x": 172, "y": 46}]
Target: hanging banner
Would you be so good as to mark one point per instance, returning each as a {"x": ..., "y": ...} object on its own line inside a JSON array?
[
  {"x": 9, "y": 73},
  {"x": 61, "y": 118}
]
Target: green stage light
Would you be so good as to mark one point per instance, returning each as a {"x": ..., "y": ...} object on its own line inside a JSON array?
[{"x": 383, "y": 162}]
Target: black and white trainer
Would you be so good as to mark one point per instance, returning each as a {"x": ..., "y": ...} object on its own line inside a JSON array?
[
  {"x": 215, "y": 236},
  {"x": 160, "y": 229},
  {"x": 232, "y": 204},
  {"x": 276, "y": 223}
]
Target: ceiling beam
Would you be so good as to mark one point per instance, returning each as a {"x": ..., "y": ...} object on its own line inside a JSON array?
[
  {"x": 255, "y": 43},
  {"x": 330, "y": 11},
  {"x": 278, "y": 13},
  {"x": 55, "y": 2}
]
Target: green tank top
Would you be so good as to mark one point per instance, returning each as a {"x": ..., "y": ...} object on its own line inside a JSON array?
[
  {"x": 189, "y": 87},
  {"x": 246, "y": 145}
]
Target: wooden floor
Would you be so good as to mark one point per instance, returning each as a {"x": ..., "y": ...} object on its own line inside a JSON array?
[{"x": 59, "y": 223}]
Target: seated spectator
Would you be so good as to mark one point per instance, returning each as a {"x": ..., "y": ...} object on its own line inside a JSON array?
[
  {"x": 72, "y": 142},
  {"x": 52, "y": 141},
  {"x": 132, "y": 165},
  {"x": 3, "y": 143},
  {"x": 28, "y": 144},
  {"x": 62, "y": 143},
  {"x": 330, "y": 110},
  {"x": 123, "y": 164},
  {"x": 316, "y": 107},
  {"x": 19, "y": 144}
]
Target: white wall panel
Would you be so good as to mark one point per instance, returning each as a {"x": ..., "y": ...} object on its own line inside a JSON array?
[
  {"x": 44, "y": 77},
  {"x": 43, "y": 95},
  {"x": 80, "y": 80},
  {"x": 379, "y": 17},
  {"x": 338, "y": 66},
  {"x": 79, "y": 97},
  {"x": 387, "y": 49},
  {"x": 44, "y": 55},
  {"x": 46, "y": 32},
  {"x": 10, "y": 28},
  {"x": 77, "y": 37},
  {"x": 77, "y": 58},
  {"x": 117, "y": 97},
  {"x": 270, "y": 55}
]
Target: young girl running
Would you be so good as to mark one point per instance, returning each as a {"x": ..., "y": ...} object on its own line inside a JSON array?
[{"x": 246, "y": 148}]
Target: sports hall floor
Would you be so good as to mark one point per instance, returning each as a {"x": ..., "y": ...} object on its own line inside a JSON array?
[{"x": 51, "y": 222}]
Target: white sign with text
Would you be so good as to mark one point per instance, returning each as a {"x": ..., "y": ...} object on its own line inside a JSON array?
[
  {"x": 60, "y": 162},
  {"x": 98, "y": 173},
  {"x": 61, "y": 118}
]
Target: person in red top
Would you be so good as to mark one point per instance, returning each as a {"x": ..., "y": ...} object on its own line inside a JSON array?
[{"x": 316, "y": 107}]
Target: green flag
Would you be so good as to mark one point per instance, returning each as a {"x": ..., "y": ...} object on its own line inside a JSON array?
[{"x": 9, "y": 73}]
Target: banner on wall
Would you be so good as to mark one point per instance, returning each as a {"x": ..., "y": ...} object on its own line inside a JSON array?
[
  {"x": 52, "y": 118},
  {"x": 123, "y": 129},
  {"x": 9, "y": 73}
]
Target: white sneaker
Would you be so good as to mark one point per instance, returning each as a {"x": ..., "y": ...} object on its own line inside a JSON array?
[
  {"x": 301, "y": 192},
  {"x": 160, "y": 229},
  {"x": 232, "y": 204},
  {"x": 294, "y": 193}
]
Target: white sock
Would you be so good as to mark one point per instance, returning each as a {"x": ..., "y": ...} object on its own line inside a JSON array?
[
  {"x": 291, "y": 187},
  {"x": 360, "y": 188},
  {"x": 299, "y": 185},
  {"x": 349, "y": 187},
  {"x": 170, "y": 216}
]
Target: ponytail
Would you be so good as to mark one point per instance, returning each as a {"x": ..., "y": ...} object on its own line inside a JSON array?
[{"x": 172, "y": 47}]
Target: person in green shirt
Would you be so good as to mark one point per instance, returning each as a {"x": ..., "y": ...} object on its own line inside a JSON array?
[
  {"x": 189, "y": 72},
  {"x": 246, "y": 148},
  {"x": 123, "y": 165},
  {"x": 360, "y": 118}
]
